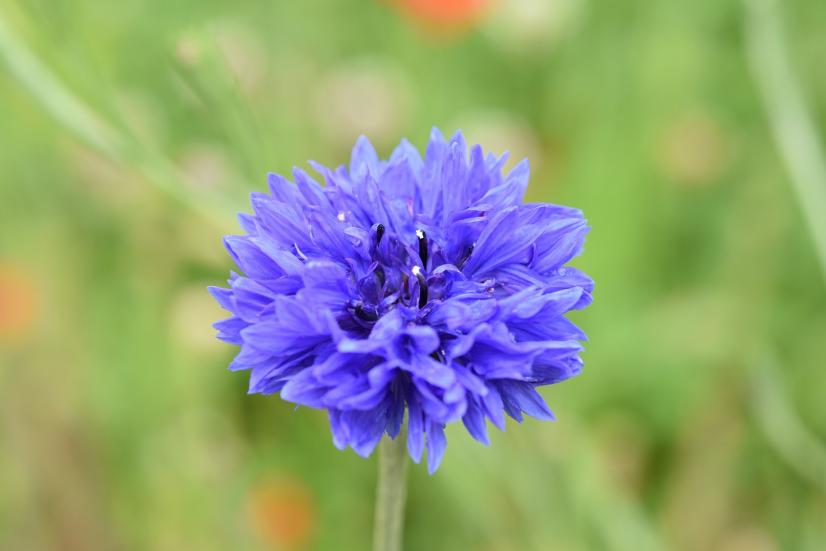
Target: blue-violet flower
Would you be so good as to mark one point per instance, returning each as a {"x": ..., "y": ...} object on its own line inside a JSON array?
[{"x": 417, "y": 285}]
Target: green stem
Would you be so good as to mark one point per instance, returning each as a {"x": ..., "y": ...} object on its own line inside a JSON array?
[
  {"x": 790, "y": 117},
  {"x": 390, "y": 495}
]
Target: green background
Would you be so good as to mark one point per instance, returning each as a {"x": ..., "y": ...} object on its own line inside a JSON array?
[{"x": 688, "y": 132}]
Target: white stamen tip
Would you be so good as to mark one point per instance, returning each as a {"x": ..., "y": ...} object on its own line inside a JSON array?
[
  {"x": 340, "y": 217},
  {"x": 416, "y": 270},
  {"x": 420, "y": 234}
]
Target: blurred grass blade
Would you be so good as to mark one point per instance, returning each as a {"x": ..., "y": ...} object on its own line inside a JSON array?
[
  {"x": 76, "y": 116},
  {"x": 57, "y": 100},
  {"x": 781, "y": 425},
  {"x": 789, "y": 117}
]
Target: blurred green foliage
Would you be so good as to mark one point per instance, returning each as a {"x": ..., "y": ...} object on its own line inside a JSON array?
[{"x": 131, "y": 132}]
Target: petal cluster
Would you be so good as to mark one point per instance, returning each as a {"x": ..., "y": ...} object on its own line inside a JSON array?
[{"x": 417, "y": 287}]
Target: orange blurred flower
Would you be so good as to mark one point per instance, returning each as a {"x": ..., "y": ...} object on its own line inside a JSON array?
[
  {"x": 17, "y": 302},
  {"x": 282, "y": 513},
  {"x": 444, "y": 14}
]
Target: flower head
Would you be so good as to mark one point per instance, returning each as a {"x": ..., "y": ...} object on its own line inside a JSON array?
[
  {"x": 417, "y": 285},
  {"x": 444, "y": 14}
]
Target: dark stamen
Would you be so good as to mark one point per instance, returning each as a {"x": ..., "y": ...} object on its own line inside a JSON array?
[
  {"x": 466, "y": 257},
  {"x": 422, "y": 247},
  {"x": 366, "y": 315},
  {"x": 379, "y": 233},
  {"x": 380, "y": 274},
  {"x": 439, "y": 355}
]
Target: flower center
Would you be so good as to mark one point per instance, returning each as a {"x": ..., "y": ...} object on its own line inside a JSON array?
[
  {"x": 423, "y": 252},
  {"x": 393, "y": 280}
]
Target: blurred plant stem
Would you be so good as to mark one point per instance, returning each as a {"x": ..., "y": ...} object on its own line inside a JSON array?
[
  {"x": 390, "y": 494},
  {"x": 57, "y": 99},
  {"x": 789, "y": 117},
  {"x": 54, "y": 97},
  {"x": 802, "y": 151},
  {"x": 782, "y": 426}
]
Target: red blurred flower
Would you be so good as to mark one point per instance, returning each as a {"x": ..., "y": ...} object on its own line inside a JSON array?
[
  {"x": 17, "y": 302},
  {"x": 444, "y": 14}
]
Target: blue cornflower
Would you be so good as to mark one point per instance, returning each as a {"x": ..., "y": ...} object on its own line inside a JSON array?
[{"x": 418, "y": 285}]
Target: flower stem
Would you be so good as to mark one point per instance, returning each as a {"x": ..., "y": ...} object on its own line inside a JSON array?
[
  {"x": 390, "y": 495},
  {"x": 790, "y": 115}
]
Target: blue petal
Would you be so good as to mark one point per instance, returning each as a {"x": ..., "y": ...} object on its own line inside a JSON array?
[
  {"x": 223, "y": 296},
  {"x": 494, "y": 407},
  {"x": 406, "y": 151},
  {"x": 339, "y": 430},
  {"x": 286, "y": 261},
  {"x": 499, "y": 244},
  {"x": 281, "y": 339},
  {"x": 436, "y": 373},
  {"x": 251, "y": 259},
  {"x": 432, "y": 404},
  {"x": 395, "y": 415},
  {"x": 399, "y": 180},
  {"x": 365, "y": 428},
  {"x": 478, "y": 181},
  {"x": 531, "y": 302},
  {"x": 248, "y": 223},
  {"x": 511, "y": 191},
  {"x": 424, "y": 339},
  {"x": 280, "y": 222},
  {"x": 248, "y": 357},
  {"x": 312, "y": 192},
  {"x": 251, "y": 299},
  {"x": 474, "y": 421},
  {"x": 364, "y": 158},
  {"x": 454, "y": 177},
  {"x": 229, "y": 330},
  {"x": 521, "y": 396},
  {"x": 555, "y": 371},
  {"x": 436, "y": 444},
  {"x": 557, "y": 247},
  {"x": 415, "y": 428},
  {"x": 304, "y": 389},
  {"x": 282, "y": 190},
  {"x": 431, "y": 182},
  {"x": 369, "y": 396}
]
